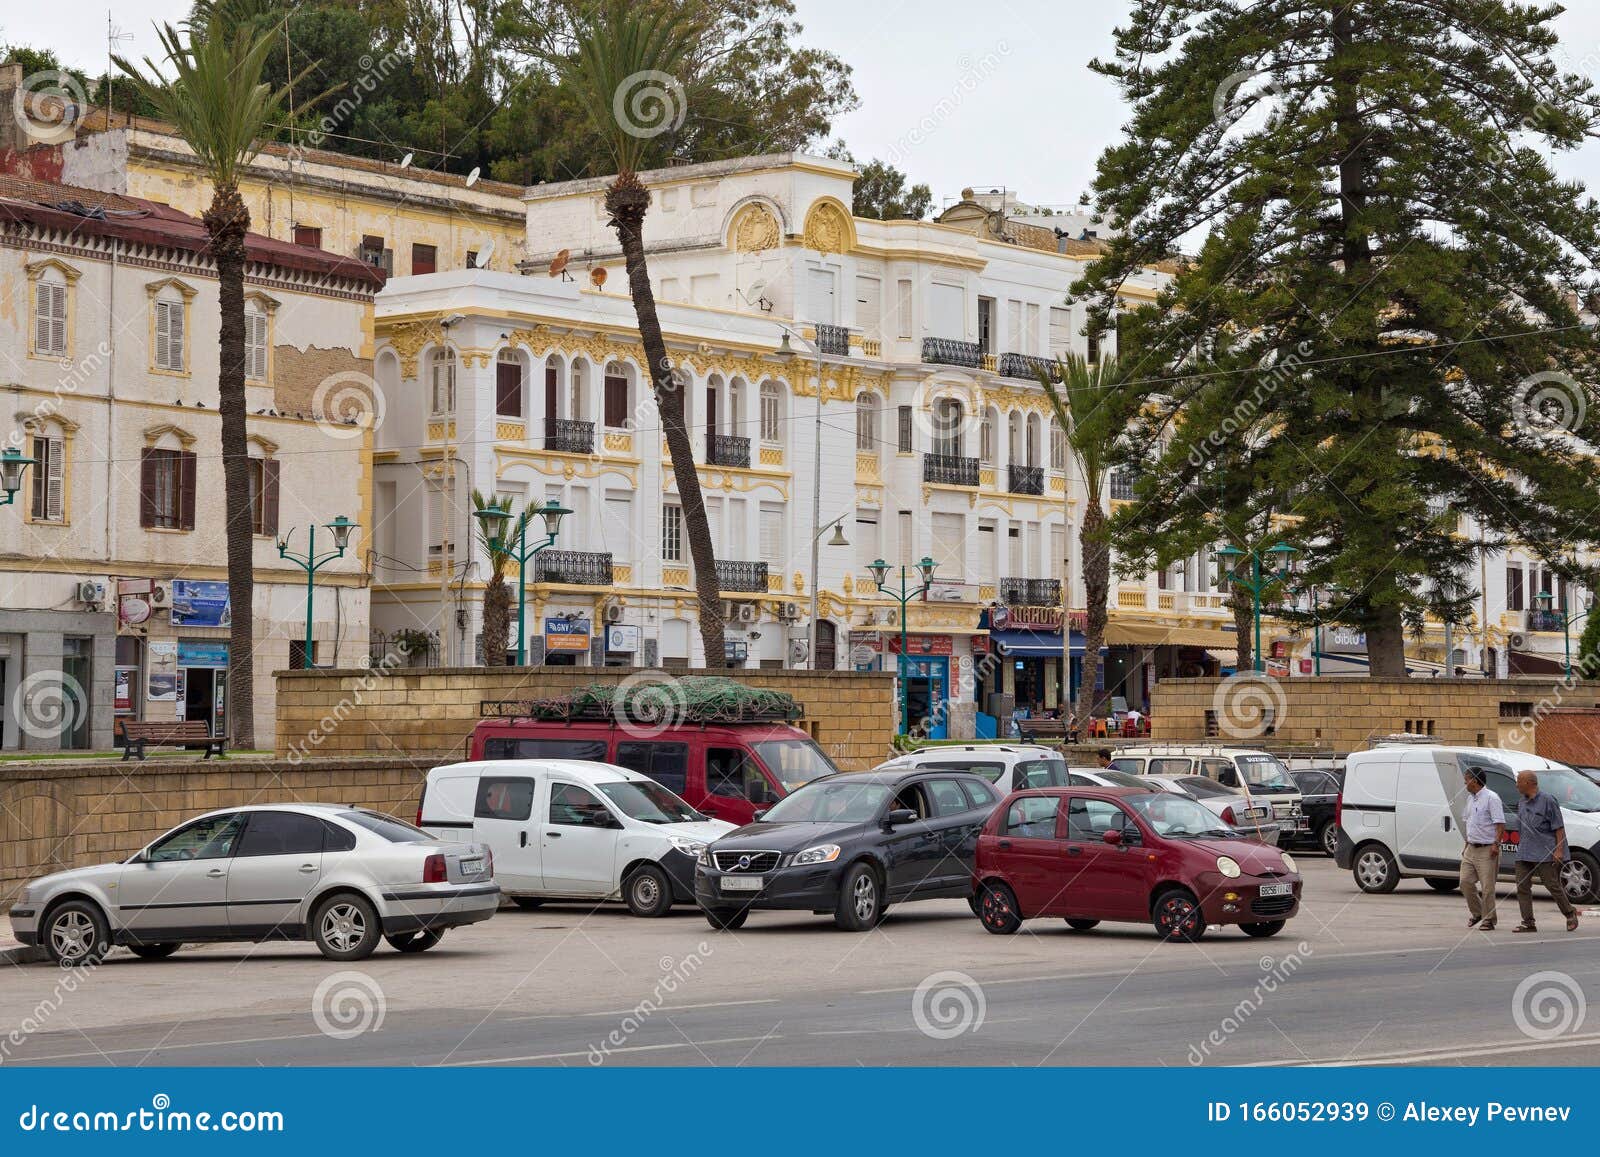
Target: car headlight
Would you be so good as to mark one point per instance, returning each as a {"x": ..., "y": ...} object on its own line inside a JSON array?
[
  {"x": 1288, "y": 862},
  {"x": 821, "y": 854},
  {"x": 689, "y": 847},
  {"x": 704, "y": 857},
  {"x": 1229, "y": 867}
]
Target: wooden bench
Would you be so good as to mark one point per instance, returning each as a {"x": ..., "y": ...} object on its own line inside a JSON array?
[
  {"x": 137, "y": 734},
  {"x": 1033, "y": 730}
]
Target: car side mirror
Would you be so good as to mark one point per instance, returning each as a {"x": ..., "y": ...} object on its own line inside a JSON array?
[
  {"x": 759, "y": 814},
  {"x": 901, "y": 815},
  {"x": 1112, "y": 837}
]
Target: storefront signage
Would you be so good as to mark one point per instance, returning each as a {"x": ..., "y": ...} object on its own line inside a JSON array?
[
  {"x": 923, "y": 645},
  {"x": 122, "y": 683},
  {"x": 200, "y": 604},
  {"x": 202, "y": 654},
  {"x": 566, "y": 634},
  {"x": 872, "y": 640},
  {"x": 622, "y": 638},
  {"x": 161, "y": 675},
  {"x": 735, "y": 651},
  {"x": 133, "y": 601}
]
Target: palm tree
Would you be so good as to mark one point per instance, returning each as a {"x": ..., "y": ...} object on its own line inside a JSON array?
[
  {"x": 217, "y": 102},
  {"x": 626, "y": 68},
  {"x": 497, "y": 592},
  {"x": 1089, "y": 405}
]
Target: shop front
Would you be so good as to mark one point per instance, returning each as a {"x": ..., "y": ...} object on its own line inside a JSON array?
[
  {"x": 1024, "y": 671},
  {"x": 927, "y": 671},
  {"x": 566, "y": 640},
  {"x": 202, "y": 686}
]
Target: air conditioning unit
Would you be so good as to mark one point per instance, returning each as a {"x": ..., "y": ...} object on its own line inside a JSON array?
[
  {"x": 160, "y": 595},
  {"x": 747, "y": 613},
  {"x": 613, "y": 613},
  {"x": 1517, "y": 641},
  {"x": 91, "y": 593},
  {"x": 789, "y": 612},
  {"x": 730, "y": 611}
]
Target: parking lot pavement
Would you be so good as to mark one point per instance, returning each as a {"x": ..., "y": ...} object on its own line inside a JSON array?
[{"x": 1354, "y": 975}]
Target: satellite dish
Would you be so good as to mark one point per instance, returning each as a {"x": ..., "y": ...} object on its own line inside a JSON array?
[
  {"x": 558, "y": 265},
  {"x": 755, "y": 291},
  {"x": 485, "y": 253},
  {"x": 472, "y": 177},
  {"x": 597, "y": 276},
  {"x": 405, "y": 161}
]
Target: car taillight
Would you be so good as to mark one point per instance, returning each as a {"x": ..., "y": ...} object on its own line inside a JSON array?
[
  {"x": 1227, "y": 816},
  {"x": 420, "y": 799},
  {"x": 433, "y": 871},
  {"x": 1338, "y": 810},
  {"x": 488, "y": 860}
]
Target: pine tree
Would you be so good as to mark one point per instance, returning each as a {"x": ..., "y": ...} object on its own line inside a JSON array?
[{"x": 1364, "y": 182}]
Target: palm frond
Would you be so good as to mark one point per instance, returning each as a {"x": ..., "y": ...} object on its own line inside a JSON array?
[{"x": 1090, "y": 406}]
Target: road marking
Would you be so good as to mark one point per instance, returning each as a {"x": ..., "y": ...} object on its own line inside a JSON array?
[
  {"x": 199, "y": 1044},
  {"x": 635, "y": 1009},
  {"x": 1429, "y": 1056},
  {"x": 731, "y": 1040}
]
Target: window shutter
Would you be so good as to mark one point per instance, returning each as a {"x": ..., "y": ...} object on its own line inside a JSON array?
[
  {"x": 269, "y": 497},
  {"x": 50, "y": 318},
  {"x": 175, "y": 333},
  {"x": 186, "y": 488},
  {"x": 147, "y": 487},
  {"x": 55, "y": 480},
  {"x": 255, "y": 331},
  {"x": 41, "y": 317},
  {"x": 163, "y": 338}
]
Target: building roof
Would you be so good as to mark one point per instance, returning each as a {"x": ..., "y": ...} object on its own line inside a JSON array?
[{"x": 89, "y": 212}]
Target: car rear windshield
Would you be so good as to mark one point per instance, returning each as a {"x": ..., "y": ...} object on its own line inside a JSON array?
[
  {"x": 391, "y": 829},
  {"x": 836, "y": 801},
  {"x": 1266, "y": 771},
  {"x": 1123, "y": 779},
  {"x": 648, "y": 802},
  {"x": 1572, "y": 791},
  {"x": 1202, "y": 788},
  {"x": 794, "y": 762}
]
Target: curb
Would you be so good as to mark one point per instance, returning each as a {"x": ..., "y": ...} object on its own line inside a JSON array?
[{"x": 22, "y": 954}]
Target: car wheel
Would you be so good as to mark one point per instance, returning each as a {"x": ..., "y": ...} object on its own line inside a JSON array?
[
  {"x": 1265, "y": 928},
  {"x": 410, "y": 942},
  {"x": 1078, "y": 925},
  {"x": 528, "y": 903},
  {"x": 727, "y": 919},
  {"x": 648, "y": 891},
  {"x": 1375, "y": 870},
  {"x": 860, "y": 899},
  {"x": 346, "y": 927},
  {"x": 1443, "y": 885},
  {"x": 1177, "y": 915},
  {"x": 153, "y": 951},
  {"x": 997, "y": 909},
  {"x": 76, "y": 933},
  {"x": 1579, "y": 876},
  {"x": 1328, "y": 837}
]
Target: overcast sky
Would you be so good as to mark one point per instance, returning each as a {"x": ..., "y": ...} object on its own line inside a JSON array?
[{"x": 954, "y": 93}]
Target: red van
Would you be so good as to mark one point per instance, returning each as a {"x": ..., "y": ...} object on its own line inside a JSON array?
[{"x": 729, "y": 771}]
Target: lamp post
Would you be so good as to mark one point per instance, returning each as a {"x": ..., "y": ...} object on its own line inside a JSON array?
[
  {"x": 1279, "y": 557},
  {"x": 786, "y": 352},
  {"x": 311, "y": 562},
  {"x": 880, "y": 575},
  {"x": 13, "y": 464},
  {"x": 1546, "y": 600},
  {"x": 493, "y": 519}
]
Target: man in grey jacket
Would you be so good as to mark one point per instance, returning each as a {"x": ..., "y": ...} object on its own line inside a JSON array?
[{"x": 1541, "y": 850}]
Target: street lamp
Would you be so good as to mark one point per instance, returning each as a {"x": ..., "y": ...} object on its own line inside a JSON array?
[
  {"x": 880, "y": 575},
  {"x": 1545, "y": 600},
  {"x": 787, "y": 353},
  {"x": 13, "y": 464},
  {"x": 1227, "y": 558},
  {"x": 311, "y": 562},
  {"x": 493, "y": 519}
]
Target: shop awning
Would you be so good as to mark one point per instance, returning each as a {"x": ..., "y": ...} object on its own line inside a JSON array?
[
  {"x": 1034, "y": 644},
  {"x": 1138, "y": 633}
]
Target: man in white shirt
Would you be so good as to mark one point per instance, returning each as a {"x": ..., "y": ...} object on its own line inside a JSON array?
[{"x": 1485, "y": 830}]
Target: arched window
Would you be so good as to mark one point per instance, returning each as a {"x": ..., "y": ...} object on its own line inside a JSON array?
[
  {"x": 771, "y": 413},
  {"x": 442, "y": 380},
  {"x": 1058, "y": 447},
  {"x": 867, "y": 421}
]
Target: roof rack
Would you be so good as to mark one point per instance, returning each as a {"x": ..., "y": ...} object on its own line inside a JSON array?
[{"x": 687, "y": 700}]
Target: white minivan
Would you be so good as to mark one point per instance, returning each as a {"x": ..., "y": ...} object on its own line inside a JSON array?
[
  {"x": 567, "y": 829},
  {"x": 1009, "y": 766},
  {"x": 1403, "y": 805}
]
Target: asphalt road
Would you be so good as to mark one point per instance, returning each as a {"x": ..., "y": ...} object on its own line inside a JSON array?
[{"x": 1355, "y": 979}]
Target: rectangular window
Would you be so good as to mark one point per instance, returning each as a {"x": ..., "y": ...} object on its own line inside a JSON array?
[
  {"x": 308, "y": 235},
  {"x": 424, "y": 259},
  {"x": 985, "y": 325},
  {"x": 264, "y": 497},
  {"x": 904, "y": 434},
  {"x": 770, "y": 423},
  {"x": 444, "y": 382},
  {"x": 49, "y": 474},
  {"x": 949, "y": 545},
  {"x": 616, "y": 402},
  {"x": 772, "y": 535},
  {"x": 907, "y": 539},
  {"x": 166, "y": 489},
  {"x": 1014, "y": 327},
  {"x": 1514, "y": 592},
  {"x": 869, "y": 304},
  {"x": 169, "y": 336},
  {"x": 255, "y": 346},
  {"x": 1060, "y": 331},
  {"x": 903, "y": 309},
  {"x": 508, "y": 387},
  {"x": 50, "y": 318},
  {"x": 672, "y": 534},
  {"x": 868, "y": 545}
]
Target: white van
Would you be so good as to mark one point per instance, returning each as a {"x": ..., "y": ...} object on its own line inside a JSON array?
[
  {"x": 567, "y": 829},
  {"x": 1009, "y": 766},
  {"x": 1260, "y": 775},
  {"x": 1403, "y": 806}
]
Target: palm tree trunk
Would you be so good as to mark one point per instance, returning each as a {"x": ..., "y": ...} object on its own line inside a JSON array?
[
  {"x": 496, "y": 617},
  {"x": 227, "y": 221},
  {"x": 1095, "y": 552},
  {"x": 627, "y": 201}
]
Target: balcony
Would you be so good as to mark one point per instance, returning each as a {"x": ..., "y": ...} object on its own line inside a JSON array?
[
  {"x": 579, "y": 568},
  {"x": 728, "y": 450},
  {"x": 950, "y": 469},
  {"x": 568, "y": 437},
  {"x": 1026, "y": 592},
  {"x": 1029, "y": 367},
  {"x": 943, "y": 351},
  {"x": 742, "y": 577},
  {"x": 1122, "y": 484},
  {"x": 1026, "y": 479},
  {"x": 833, "y": 341},
  {"x": 1539, "y": 620}
]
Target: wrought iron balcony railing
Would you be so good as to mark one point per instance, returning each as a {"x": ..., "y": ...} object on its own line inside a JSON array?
[
  {"x": 1122, "y": 483},
  {"x": 728, "y": 450},
  {"x": 1028, "y": 366},
  {"x": 584, "y": 568},
  {"x": 950, "y": 469},
  {"x": 1029, "y": 592},
  {"x": 569, "y": 436},
  {"x": 1026, "y": 479},
  {"x": 743, "y": 577},
  {"x": 945, "y": 351},
  {"x": 833, "y": 340},
  {"x": 1539, "y": 620}
]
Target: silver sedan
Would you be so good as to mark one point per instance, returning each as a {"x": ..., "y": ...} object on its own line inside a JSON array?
[{"x": 341, "y": 877}]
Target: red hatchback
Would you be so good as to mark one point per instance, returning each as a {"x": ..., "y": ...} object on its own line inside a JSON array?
[{"x": 1093, "y": 854}]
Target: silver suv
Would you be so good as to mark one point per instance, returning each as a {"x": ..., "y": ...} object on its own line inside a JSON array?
[{"x": 1009, "y": 766}]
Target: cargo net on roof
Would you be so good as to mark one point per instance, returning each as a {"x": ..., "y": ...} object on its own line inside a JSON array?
[{"x": 660, "y": 702}]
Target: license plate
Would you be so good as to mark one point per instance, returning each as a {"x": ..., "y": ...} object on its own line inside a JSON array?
[
  {"x": 741, "y": 883},
  {"x": 473, "y": 865},
  {"x": 1277, "y": 890}
]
